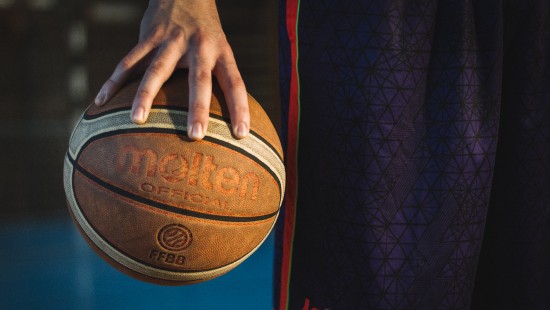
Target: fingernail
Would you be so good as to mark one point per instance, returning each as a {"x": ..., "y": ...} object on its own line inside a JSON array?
[
  {"x": 100, "y": 98},
  {"x": 196, "y": 132},
  {"x": 242, "y": 130},
  {"x": 138, "y": 116}
]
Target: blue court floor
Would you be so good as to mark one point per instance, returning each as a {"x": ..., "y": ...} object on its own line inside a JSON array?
[{"x": 47, "y": 265}]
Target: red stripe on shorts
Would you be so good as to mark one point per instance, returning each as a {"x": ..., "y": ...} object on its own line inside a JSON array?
[{"x": 292, "y": 7}]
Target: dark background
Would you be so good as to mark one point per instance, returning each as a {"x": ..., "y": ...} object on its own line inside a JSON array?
[{"x": 54, "y": 57}]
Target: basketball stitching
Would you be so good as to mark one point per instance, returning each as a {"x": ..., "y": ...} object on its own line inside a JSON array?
[
  {"x": 213, "y": 140},
  {"x": 89, "y": 132},
  {"x": 237, "y": 151},
  {"x": 135, "y": 265},
  {"x": 120, "y": 251},
  {"x": 141, "y": 205},
  {"x": 166, "y": 207}
]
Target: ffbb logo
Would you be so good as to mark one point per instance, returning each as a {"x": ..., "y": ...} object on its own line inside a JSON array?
[
  {"x": 198, "y": 170},
  {"x": 174, "y": 237}
]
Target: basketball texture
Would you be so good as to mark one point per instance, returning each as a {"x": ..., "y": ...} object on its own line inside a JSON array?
[{"x": 162, "y": 208}]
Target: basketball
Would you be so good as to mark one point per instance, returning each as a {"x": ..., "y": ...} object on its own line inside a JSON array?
[{"x": 163, "y": 208}]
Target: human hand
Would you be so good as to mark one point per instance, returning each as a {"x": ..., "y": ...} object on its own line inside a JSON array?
[{"x": 183, "y": 34}]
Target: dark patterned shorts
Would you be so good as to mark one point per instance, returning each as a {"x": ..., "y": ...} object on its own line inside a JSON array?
[{"x": 417, "y": 139}]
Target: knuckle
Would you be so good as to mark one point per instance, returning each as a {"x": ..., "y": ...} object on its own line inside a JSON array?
[
  {"x": 125, "y": 64},
  {"x": 235, "y": 81},
  {"x": 110, "y": 83},
  {"x": 227, "y": 52},
  {"x": 204, "y": 44},
  {"x": 157, "y": 34},
  {"x": 143, "y": 94},
  {"x": 156, "y": 68},
  {"x": 202, "y": 38},
  {"x": 177, "y": 34},
  {"x": 202, "y": 76},
  {"x": 203, "y": 53},
  {"x": 200, "y": 108}
]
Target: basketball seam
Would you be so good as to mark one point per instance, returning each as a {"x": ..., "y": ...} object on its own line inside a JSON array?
[
  {"x": 222, "y": 143},
  {"x": 273, "y": 179},
  {"x": 260, "y": 148},
  {"x": 164, "y": 206},
  {"x": 167, "y": 212},
  {"x": 90, "y": 117},
  {"x": 136, "y": 265},
  {"x": 91, "y": 182},
  {"x": 275, "y": 165}
]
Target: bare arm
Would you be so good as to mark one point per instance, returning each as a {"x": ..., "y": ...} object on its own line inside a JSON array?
[{"x": 183, "y": 34}]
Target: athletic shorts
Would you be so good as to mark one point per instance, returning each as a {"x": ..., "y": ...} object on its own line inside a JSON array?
[{"x": 417, "y": 140}]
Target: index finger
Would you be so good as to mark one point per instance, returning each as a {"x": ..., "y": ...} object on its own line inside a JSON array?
[
  {"x": 124, "y": 69},
  {"x": 158, "y": 72}
]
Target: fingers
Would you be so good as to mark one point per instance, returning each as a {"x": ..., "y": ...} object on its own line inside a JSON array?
[
  {"x": 123, "y": 70},
  {"x": 157, "y": 73},
  {"x": 234, "y": 90},
  {"x": 200, "y": 94},
  {"x": 202, "y": 61}
]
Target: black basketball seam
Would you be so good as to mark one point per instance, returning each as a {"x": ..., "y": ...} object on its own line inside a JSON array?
[
  {"x": 181, "y": 133},
  {"x": 133, "y": 258},
  {"x": 166, "y": 207},
  {"x": 245, "y": 153},
  {"x": 87, "y": 116}
]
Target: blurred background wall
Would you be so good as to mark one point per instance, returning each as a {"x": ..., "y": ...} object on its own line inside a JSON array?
[{"x": 54, "y": 57}]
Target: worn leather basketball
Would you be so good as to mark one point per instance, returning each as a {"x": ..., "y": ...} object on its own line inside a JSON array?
[{"x": 162, "y": 208}]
